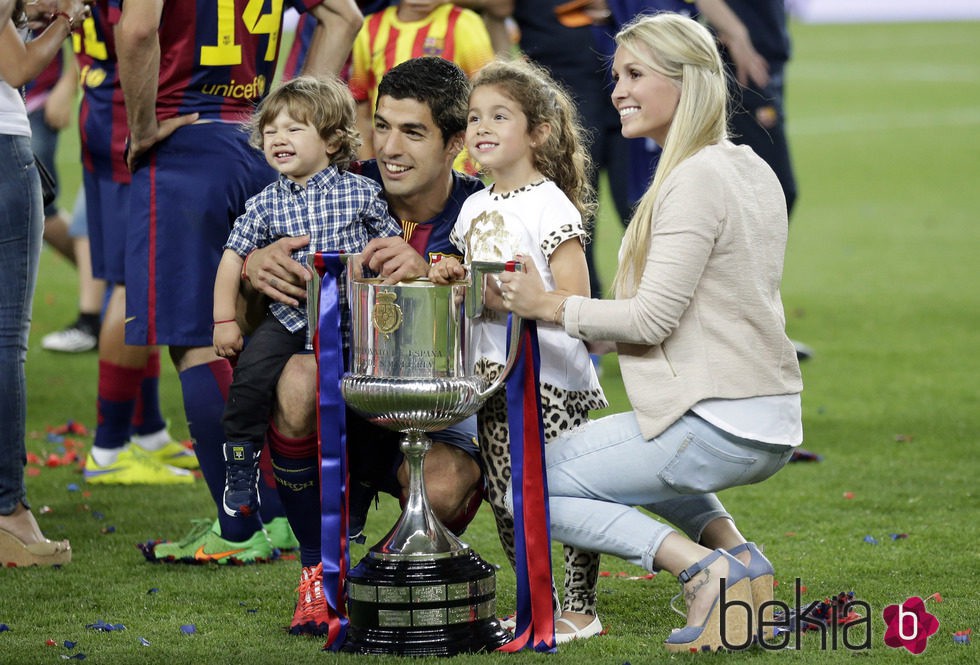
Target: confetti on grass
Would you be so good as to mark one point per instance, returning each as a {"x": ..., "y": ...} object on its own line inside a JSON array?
[
  {"x": 871, "y": 540},
  {"x": 823, "y": 613},
  {"x": 70, "y": 427},
  {"x": 105, "y": 627},
  {"x": 801, "y": 455},
  {"x": 626, "y": 576},
  {"x": 188, "y": 629},
  {"x": 963, "y": 636}
]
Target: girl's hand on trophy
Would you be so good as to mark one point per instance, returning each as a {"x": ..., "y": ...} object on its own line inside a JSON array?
[{"x": 447, "y": 269}]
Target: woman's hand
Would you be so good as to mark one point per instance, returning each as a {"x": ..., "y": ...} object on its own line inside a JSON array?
[{"x": 524, "y": 293}]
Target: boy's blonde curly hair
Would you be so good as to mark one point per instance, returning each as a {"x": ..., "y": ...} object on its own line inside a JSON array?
[{"x": 324, "y": 103}]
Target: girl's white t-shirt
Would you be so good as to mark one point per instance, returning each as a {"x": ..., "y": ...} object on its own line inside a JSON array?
[{"x": 533, "y": 220}]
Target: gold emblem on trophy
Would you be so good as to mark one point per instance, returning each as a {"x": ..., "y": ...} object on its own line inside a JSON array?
[{"x": 387, "y": 315}]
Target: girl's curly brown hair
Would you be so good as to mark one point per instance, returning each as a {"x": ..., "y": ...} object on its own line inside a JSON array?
[{"x": 562, "y": 156}]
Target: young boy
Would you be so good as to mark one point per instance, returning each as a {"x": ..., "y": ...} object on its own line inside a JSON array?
[{"x": 306, "y": 129}]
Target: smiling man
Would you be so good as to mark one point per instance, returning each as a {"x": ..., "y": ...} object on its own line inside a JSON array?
[{"x": 419, "y": 124}]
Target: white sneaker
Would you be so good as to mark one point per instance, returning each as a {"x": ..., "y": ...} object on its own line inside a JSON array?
[{"x": 70, "y": 340}]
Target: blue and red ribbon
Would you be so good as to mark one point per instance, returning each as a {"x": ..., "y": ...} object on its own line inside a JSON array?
[
  {"x": 532, "y": 531},
  {"x": 332, "y": 439}
]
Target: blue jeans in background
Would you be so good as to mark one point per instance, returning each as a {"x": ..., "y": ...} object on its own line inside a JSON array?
[{"x": 21, "y": 227}]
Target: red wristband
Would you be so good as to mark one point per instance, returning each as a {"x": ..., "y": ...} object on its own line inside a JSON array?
[
  {"x": 223, "y": 321},
  {"x": 71, "y": 23},
  {"x": 245, "y": 265}
]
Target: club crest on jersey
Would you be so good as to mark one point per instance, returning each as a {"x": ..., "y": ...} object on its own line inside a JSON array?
[
  {"x": 92, "y": 76},
  {"x": 433, "y": 46}
]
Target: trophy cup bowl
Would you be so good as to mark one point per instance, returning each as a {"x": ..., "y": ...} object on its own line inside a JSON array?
[{"x": 420, "y": 590}]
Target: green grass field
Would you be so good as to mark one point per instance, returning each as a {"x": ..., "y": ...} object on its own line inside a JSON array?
[{"x": 881, "y": 279}]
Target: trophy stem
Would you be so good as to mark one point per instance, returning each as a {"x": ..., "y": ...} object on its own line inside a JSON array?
[{"x": 418, "y": 532}]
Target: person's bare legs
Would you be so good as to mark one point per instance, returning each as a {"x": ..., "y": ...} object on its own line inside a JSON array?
[
  {"x": 677, "y": 553},
  {"x": 91, "y": 291},
  {"x": 723, "y": 534},
  {"x": 56, "y": 235},
  {"x": 451, "y": 476},
  {"x": 112, "y": 338},
  {"x": 295, "y": 412},
  {"x": 451, "y": 480}
]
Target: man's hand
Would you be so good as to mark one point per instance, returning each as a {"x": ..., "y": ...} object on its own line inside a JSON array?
[
  {"x": 750, "y": 67},
  {"x": 139, "y": 147},
  {"x": 394, "y": 259},
  {"x": 273, "y": 271}
]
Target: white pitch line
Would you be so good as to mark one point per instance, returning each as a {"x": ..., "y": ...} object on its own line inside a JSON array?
[
  {"x": 895, "y": 72},
  {"x": 879, "y": 122}
]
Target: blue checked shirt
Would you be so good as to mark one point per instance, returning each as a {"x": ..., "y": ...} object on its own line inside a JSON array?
[{"x": 341, "y": 212}]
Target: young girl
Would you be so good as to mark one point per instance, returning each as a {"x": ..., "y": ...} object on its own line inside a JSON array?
[{"x": 523, "y": 130}]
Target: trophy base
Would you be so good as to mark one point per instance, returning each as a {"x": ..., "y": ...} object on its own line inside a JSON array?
[{"x": 431, "y": 606}]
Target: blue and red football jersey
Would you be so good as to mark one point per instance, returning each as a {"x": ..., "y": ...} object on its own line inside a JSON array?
[
  {"x": 102, "y": 114},
  {"x": 430, "y": 237},
  {"x": 217, "y": 57}
]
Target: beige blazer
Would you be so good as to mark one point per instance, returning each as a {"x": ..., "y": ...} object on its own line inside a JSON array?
[{"x": 707, "y": 320}]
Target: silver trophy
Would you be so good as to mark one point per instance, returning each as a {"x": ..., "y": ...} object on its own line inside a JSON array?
[{"x": 420, "y": 590}]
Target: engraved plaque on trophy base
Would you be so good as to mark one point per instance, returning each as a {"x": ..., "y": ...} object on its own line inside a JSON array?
[{"x": 423, "y": 607}]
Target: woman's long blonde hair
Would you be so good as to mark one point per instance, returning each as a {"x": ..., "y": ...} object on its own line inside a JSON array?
[{"x": 684, "y": 51}]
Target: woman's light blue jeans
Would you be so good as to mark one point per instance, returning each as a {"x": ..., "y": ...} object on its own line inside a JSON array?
[
  {"x": 599, "y": 472},
  {"x": 21, "y": 228}
]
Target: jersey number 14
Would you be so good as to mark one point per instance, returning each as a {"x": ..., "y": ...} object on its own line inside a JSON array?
[{"x": 228, "y": 51}]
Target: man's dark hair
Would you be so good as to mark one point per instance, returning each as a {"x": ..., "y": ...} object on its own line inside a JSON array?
[{"x": 439, "y": 84}]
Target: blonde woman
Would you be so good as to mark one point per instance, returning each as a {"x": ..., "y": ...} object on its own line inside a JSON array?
[{"x": 697, "y": 318}]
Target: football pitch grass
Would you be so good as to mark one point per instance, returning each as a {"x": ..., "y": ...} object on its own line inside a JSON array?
[{"x": 881, "y": 280}]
